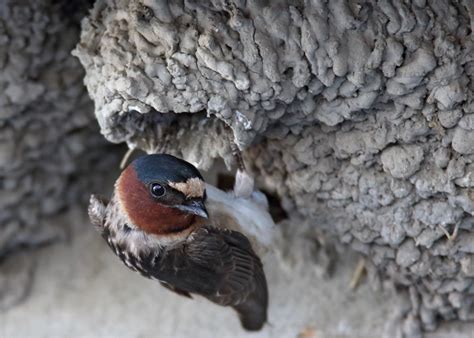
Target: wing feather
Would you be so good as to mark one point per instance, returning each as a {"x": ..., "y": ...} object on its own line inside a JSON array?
[{"x": 218, "y": 264}]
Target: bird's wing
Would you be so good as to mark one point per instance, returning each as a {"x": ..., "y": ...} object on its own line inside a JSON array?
[
  {"x": 216, "y": 263},
  {"x": 176, "y": 290}
]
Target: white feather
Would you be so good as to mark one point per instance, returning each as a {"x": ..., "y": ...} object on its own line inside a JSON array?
[{"x": 242, "y": 210}]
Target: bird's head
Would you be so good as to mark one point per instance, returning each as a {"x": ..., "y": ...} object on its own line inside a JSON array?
[{"x": 161, "y": 194}]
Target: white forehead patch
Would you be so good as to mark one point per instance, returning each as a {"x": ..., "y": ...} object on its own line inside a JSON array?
[{"x": 193, "y": 187}]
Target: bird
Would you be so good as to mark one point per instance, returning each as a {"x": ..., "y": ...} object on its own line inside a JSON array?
[{"x": 157, "y": 223}]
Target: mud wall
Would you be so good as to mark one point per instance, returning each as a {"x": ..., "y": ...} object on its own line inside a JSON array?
[{"x": 51, "y": 151}]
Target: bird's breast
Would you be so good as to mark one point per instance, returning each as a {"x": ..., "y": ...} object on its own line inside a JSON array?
[{"x": 142, "y": 263}]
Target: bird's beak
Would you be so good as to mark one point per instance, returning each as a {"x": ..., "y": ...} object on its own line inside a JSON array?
[{"x": 194, "y": 207}]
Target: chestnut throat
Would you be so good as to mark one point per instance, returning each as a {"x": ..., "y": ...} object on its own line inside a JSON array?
[{"x": 144, "y": 212}]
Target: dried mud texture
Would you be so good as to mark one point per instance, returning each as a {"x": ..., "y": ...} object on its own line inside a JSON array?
[
  {"x": 51, "y": 151},
  {"x": 359, "y": 115}
]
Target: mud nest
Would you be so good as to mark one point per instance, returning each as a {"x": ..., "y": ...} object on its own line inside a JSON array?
[{"x": 358, "y": 115}]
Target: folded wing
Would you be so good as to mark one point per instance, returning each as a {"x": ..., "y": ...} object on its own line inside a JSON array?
[{"x": 220, "y": 265}]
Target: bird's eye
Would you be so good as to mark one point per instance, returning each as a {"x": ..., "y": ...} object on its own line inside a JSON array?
[{"x": 157, "y": 190}]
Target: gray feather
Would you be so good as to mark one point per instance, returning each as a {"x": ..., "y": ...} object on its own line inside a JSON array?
[{"x": 97, "y": 210}]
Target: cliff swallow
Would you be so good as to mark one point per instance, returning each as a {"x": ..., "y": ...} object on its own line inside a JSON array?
[{"x": 157, "y": 223}]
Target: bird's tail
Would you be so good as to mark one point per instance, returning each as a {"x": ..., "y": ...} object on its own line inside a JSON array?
[
  {"x": 253, "y": 312},
  {"x": 252, "y": 315}
]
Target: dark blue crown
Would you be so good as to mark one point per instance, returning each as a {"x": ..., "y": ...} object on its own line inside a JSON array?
[{"x": 164, "y": 168}]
